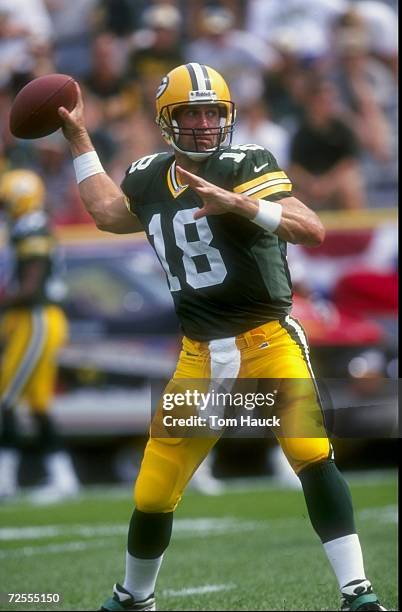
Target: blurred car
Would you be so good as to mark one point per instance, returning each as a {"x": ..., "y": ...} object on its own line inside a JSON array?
[
  {"x": 116, "y": 289},
  {"x": 124, "y": 336}
]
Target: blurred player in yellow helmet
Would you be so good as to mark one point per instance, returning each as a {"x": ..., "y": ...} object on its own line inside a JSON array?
[{"x": 32, "y": 329}]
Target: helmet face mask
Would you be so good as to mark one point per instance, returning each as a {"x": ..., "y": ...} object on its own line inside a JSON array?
[
  {"x": 222, "y": 133},
  {"x": 194, "y": 85}
]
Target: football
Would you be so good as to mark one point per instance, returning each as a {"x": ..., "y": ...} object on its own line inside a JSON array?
[{"x": 34, "y": 110}]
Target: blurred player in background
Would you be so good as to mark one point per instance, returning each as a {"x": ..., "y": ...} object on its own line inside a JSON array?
[
  {"x": 32, "y": 329},
  {"x": 219, "y": 218}
]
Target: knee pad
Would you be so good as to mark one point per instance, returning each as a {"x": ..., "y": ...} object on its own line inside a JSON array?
[
  {"x": 303, "y": 452},
  {"x": 158, "y": 486}
]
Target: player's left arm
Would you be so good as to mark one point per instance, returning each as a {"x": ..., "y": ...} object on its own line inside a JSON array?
[{"x": 298, "y": 223}]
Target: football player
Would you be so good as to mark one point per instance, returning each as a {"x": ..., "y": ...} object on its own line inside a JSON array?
[
  {"x": 219, "y": 218},
  {"x": 33, "y": 328}
]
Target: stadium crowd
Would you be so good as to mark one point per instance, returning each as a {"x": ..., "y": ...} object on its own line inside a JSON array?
[{"x": 315, "y": 81}]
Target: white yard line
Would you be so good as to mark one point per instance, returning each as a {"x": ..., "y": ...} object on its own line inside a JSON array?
[
  {"x": 183, "y": 528},
  {"x": 384, "y": 514},
  {"x": 29, "y": 551},
  {"x": 56, "y": 531},
  {"x": 201, "y": 590},
  {"x": 231, "y": 486}
]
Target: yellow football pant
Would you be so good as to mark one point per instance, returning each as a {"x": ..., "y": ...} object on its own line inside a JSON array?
[
  {"x": 31, "y": 338},
  {"x": 277, "y": 350}
]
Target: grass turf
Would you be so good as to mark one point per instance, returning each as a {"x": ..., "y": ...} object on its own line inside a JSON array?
[{"x": 251, "y": 548}]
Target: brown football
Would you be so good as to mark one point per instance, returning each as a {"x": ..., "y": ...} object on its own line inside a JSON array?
[{"x": 34, "y": 110}]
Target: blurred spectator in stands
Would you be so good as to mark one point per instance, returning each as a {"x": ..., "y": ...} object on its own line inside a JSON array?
[
  {"x": 304, "y": 23},
  {"x": 324, "y": 154},
  {"x": 106, "y": 80},
  {"x": 22, "y": 25},
  {"x": 155, "y": 50},
  {"x": 4, "y": 162},
  {"x": 381, "y": 22},
  {"x": 51, "y": 161},
  {"x": 42, "y": 58},
  {"x": 113, "y": 98},
  {"x": 365, "y": 86},
  {"x": 255, "y": 126},
  {"x": 24, "y": 19},
  {"x": 72, "y": 25},
  {"x": 5, "y": 135},
  {"x": 194, "y": 9},
  {"x": 286, "y": 85},
  {"x": 120, "y": 17},
  {"x": 368, "y": 91},
  {"x": 239, "y": 56}
]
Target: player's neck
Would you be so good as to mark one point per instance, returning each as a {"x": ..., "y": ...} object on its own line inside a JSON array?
[{"x": 188, "y": 164}]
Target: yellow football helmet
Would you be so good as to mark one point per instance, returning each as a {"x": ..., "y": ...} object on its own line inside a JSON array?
[
  {"x": 21, "y": 192},
  {"x": 192, "y": 84}
]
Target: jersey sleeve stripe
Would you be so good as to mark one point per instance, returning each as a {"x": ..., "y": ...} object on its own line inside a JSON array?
[
  {"x": 128, "y": 206},
  {"x": 267, "y": 185},
  {"x": 271, "y": 191},
  {"x": 260, "y": 179}
]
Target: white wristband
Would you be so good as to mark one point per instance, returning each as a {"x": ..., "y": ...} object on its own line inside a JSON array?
[
  {"x": 86, "y": 165},
  {"x": 269, "y": 215}
]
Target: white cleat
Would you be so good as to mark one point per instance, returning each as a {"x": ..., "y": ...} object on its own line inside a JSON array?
[
  {"x": 204, "y": 481},
  {"x": 283, "y": 474},
  {"x": 52, "y": 494}
]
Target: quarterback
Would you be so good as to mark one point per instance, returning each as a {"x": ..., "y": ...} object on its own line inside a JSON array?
[{"x": 219, "y": 218}]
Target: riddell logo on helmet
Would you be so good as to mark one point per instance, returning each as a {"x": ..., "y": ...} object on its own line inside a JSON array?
[{"x": 202, "y": 94}]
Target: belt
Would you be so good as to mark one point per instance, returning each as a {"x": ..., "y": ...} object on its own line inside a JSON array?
[{"x": 251, "y": 338}]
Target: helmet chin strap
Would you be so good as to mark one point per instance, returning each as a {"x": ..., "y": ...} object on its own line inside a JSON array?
[{"x": 192, "y": 154}]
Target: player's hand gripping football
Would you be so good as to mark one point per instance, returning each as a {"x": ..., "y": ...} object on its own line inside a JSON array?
[
  {"x": 216, "y": 201},
  {"x": 73, "y": 122}
]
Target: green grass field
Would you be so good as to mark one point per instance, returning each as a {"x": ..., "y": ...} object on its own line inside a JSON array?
[{"x": 251, "y": 548}]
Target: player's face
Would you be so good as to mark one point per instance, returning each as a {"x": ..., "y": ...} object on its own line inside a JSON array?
[{"x": 202, "y": 122}]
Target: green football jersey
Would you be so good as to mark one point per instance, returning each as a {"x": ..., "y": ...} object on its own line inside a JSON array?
[
  {"x": 226, "y": 274},
  {"x": 30, "y": 238}
]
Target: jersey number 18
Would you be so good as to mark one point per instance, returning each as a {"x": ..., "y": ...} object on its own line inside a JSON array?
[{"x": 195, "y": 279}]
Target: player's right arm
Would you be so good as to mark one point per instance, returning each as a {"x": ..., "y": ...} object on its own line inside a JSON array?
[{"x": 102, "y": 198}]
